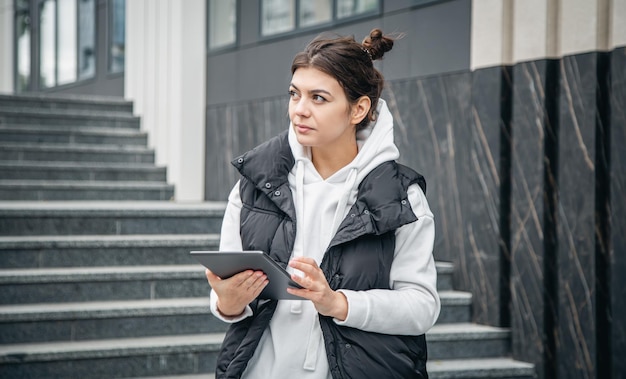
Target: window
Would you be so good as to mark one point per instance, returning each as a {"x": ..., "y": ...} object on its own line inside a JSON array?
[
  {"x": 22, "y": 45},
  {"x": 350, "y": 8},
  {"x": 222, "y": 23},
  {"x": 66, "y": 42},
  {"x": 315, "y": 12},
  {"x": 86, "y": 39},
  {"x": 117, "y": 40},
  {"x": 279, "y": 16}
]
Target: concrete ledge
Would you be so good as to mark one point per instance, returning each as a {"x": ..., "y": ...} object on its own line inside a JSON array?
[
  {"x": 89, "y": 171},
  {"x": 109, "y": 348},
  {"x": 84, "y": 190},
  {"x": 88, "y": 251},
  {"x": 500, "y": 368},
  {"x": 69, "y": 135}
]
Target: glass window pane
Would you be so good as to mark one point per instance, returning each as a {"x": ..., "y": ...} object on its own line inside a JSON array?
[
  {"x": 22, "y": 34},
  {"x": 222, "y": 23},
  {"x": 277, "y": 16},
  {"x": 66, "y": 43},
  {"x": 47, "y": 28},
  {"x": 347, "y": 8},
  {"x": 315, "y": 12},
  {"x": 86, "y": 39},
  {"x": 116, "y": 48}
]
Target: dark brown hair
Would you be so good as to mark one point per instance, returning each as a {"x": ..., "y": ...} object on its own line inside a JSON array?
[{"x": 350, "y": 63}]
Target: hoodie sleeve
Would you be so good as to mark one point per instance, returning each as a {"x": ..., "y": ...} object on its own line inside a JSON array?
[
  {"x": 230, "y": 241},
  {"x": 412, "y": 305}
]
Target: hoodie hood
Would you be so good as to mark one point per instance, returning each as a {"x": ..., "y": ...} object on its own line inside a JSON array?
[{"x": 375, "y": 146}]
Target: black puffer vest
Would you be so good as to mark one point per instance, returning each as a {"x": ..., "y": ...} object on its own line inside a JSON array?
[{"x": 359, "y": 258}]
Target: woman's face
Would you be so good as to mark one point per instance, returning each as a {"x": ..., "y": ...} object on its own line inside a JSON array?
[{"x": 319, "y": 110}]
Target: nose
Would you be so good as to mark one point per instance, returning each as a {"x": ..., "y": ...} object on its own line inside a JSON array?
[{"x": 301, "y": 108}]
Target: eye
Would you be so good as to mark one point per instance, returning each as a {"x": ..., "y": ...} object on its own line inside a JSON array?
[
  {"x": 319, "y": 99},
  {"x": 293, "y": 95}
]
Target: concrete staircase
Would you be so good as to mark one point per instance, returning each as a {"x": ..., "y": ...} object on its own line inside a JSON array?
[{"x": 95, "y": 288}]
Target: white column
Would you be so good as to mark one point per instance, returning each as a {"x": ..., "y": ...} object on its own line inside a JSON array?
[
  {"x": 6, "y": 46},
  {"x": 491, "y": 40},
  {"x": 617, "y": 24},
  {"x": 165, "y": 77},
  {"x": 511, "y": 31},
  {"x": 535, "y": 26}
]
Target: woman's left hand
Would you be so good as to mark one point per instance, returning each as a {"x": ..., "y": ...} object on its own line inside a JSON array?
[{"x": 315, "y": 288}]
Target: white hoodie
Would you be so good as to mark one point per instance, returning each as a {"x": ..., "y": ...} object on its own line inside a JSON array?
[{"x": 292, "y": 346}]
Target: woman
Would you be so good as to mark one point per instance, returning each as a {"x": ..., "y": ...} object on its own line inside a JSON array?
[{"x": 327, "y": 199}]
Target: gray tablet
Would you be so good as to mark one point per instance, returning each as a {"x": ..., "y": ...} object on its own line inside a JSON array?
[{"x": 228, "y": 263}]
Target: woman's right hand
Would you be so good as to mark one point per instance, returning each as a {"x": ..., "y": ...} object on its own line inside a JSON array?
[{"x": 236, "y": 292}]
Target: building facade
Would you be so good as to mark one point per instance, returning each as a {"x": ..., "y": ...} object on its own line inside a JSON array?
[{"x": 513, "y": 110}]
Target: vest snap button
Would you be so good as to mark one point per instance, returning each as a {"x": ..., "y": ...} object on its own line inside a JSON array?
[
  {"x": 240, "y": 160},
  {"x": 403, "y": 202},
  {"x": 277, "y": 193},
  {"x": 352, "y": 215},
  {"x": 366, "y": 212},
  {"x": 268, "y": 185},
  {"x": 348, "y": 346}
]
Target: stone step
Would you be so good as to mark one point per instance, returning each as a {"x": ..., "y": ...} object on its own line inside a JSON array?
[
  {"x": 22, "y": 218},
  {"x": 148, "y": 356},
  {"x": 68, "y": 118},
  {"x": 27, "y": 102},
  {"x": 105, "y": 320},
  {"x": 456, "y": 306},
  {"x": 445, "y": 270},
  {"x": 90, "y": 171},
  {"x": 68, "y": 135},
  {"x": 43, "y": 190},
  {"x": 113, "y": 250},
  {"x": 39, "y": 359},
  {"x": 495, "y": 368},
  {"x": 467, "y": 340},
  {"x": 74, "y": 284},
  {"x": 75, "y": 153},
  {"x": 492, "y": 368},
  {"x": 208, "y": 375},
  {"x": 30, "y": 286},
  {"x": 27, "y": 323}
]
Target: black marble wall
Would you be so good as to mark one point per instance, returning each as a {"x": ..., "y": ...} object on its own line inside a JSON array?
[
  {"x": 616, "y": 342},
  {"x": 526, "y": 177},
  {"x": 233, "y": 129},
  {"x": 530, "y": 251},
  {"x": 578, "y": 167}
]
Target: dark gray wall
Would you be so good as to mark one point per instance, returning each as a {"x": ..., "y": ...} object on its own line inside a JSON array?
[{"x": 259, "y": 68}]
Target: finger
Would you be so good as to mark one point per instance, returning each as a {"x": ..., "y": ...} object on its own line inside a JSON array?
[
  {"x": 306, "y": 265},
  {"x": 240, "y": 278},
  {"x": 255, "y": 280},
  {"x": 211, "y": 276}
]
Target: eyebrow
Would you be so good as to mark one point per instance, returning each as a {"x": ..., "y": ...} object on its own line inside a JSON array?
[{"x": 312, "y": 91}]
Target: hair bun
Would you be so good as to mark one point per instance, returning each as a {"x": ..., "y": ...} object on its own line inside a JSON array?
[{"x": 377, "y": 44}]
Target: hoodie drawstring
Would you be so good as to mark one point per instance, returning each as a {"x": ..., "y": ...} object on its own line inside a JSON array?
[{"x": 296, "y": 305}]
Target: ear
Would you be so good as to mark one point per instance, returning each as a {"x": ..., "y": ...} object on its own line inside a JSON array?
[{"x": 360, "y": 110}]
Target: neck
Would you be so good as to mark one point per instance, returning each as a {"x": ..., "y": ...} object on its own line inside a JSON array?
[{"x": 328, "y": 161}]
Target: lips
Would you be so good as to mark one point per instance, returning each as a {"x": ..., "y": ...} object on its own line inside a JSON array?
[{"x": 303, "y": 129}]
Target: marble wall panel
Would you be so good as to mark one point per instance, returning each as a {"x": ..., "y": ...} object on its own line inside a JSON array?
[
  {"x": 234, "y": 129},
  {"x": 528, "y": 129},
  {"x": 431, "y": 131},
  {"x": 617, "y": 238},
  {"x": 576, "y": 216},
  {"x": 487, "y": 213}
]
